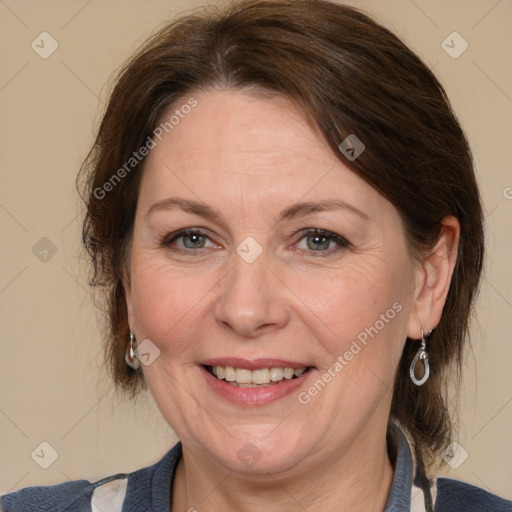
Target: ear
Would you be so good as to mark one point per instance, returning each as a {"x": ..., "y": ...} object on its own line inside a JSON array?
[
  {"x": 126, "y": 280},
  {"x": 433, "y": 280}
]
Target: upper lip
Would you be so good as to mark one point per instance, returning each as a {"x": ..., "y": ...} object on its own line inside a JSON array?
[{"x": 253, "y": 364}]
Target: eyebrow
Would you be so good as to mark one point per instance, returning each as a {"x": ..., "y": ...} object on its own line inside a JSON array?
[
  {"x": 305, "y": 208},
  {"x": 296, "y": 210}
]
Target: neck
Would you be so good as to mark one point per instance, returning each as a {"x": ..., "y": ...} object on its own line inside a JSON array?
[{"x": 359, "y": 479}]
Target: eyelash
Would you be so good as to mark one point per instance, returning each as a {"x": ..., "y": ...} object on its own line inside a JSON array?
[{"x": 342, "y": 242}]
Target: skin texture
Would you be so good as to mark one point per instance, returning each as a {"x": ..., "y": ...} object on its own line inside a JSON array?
[{"x": 250, "y": 158}]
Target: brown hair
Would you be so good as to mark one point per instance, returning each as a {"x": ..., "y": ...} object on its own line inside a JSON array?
[{"x": 349, "y": 75}]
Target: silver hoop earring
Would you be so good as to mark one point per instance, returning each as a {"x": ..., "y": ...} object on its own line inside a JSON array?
[
  {"x": 130, "y": 357},
  {"x": 421, "y": 356}
]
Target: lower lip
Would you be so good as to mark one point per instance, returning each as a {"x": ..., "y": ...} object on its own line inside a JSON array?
[{"x": 256, "y": 395}]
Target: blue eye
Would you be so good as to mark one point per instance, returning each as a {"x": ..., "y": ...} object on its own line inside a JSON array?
[
  {"x": 197, "y": 241},
  {"x": 191, "y": 239},
  {"x": 321, "y": 241}
]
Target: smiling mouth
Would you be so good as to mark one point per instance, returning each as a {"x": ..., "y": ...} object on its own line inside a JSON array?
[{"x": 263, "y": 377}]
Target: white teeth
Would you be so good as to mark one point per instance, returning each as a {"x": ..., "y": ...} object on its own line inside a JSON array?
[
  {"x": 262, "y": 376},
  {"x": 276, "y": 374},
  {"x": 243, "y": 376},
  {"x": 229, "y": 374},
  {"x": 288, "y": 373}
]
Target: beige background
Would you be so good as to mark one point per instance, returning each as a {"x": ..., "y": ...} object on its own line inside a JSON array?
[{"x": 52, "y": 386}]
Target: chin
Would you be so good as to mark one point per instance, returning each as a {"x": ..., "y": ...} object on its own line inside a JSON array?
[
  {"x": 251, "y": 461},
  {"x": 259, "y": 454}
]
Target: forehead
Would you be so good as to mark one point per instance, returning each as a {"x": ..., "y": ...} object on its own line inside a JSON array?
[{"x": 234, "y": 144}]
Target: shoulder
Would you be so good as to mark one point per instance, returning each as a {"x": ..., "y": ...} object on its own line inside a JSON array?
[
  {"x": 457, "y": 496},
  {"x": 127, "y": 491},
  {"x": 75, "y": 495}
]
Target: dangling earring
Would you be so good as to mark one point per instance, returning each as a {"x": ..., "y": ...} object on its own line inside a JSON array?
[
  {"x": 130, "y": 357},
  {"x": 422, "y": 356}
]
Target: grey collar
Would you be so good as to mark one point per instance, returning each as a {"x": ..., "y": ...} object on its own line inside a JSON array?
[{"x": 399, "y": 498}]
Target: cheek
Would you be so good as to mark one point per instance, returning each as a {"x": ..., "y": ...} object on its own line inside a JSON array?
[
  {"x": 356, "y": 296},
  {"x": 167, "y": 303},
  {"x": 365, "y": 307}
]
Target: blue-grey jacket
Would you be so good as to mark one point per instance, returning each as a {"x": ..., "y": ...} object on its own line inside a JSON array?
[{"x": 149, "y": 490}]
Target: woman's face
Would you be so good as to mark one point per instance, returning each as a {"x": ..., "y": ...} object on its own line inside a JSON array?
[{"x": 253, "y": 286}]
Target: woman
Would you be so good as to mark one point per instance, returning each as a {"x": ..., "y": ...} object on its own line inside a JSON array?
[{"x": 283, "y": 214}]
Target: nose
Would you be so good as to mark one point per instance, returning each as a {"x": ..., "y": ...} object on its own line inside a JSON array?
[{"x": 252, "y": 299}]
